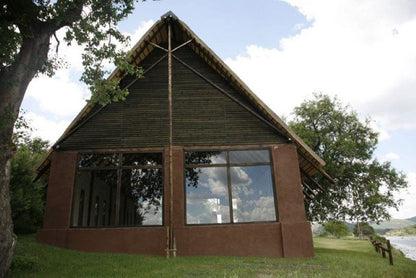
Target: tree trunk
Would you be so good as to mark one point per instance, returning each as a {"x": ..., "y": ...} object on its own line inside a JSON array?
[
  {"x": 7, "y": 239},
  {"x": 360, "y": 233},
  {"x": 13, "y": 84}
]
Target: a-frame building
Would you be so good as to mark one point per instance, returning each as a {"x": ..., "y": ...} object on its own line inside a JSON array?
[{"x": 192, "y": 163}]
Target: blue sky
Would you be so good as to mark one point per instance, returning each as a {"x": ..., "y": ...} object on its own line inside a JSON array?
[{"x": 362, "y": 51}]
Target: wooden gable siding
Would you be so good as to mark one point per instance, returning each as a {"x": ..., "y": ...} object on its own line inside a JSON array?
[
  {"x": 139, "y": 122},
  {"x": 202, "y": 115}
]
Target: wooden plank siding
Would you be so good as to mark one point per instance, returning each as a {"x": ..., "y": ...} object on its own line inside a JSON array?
[
  {"x": 202, "y": 115},
  {"x": 141, "y": 121}
]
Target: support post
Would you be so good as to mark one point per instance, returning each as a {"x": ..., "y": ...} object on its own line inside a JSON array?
[
  {"x": 390, "y": 252},
  {"x": 171, "y": 224}
]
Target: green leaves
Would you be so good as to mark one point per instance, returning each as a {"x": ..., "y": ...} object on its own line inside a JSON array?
[
  {"x": 365, "y": 187},
  {"x": 336, "y": 228},
  {"x": 89, "y": 23}
]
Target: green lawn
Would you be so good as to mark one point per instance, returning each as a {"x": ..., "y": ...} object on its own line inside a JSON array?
[{"x": 333, "y": 258}]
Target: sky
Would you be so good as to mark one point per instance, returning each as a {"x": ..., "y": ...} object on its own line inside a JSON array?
[{"x": 362, "y": 51}]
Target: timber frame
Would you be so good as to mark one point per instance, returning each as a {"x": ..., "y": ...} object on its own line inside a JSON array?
[
  {"x": 309, "y": 162},
  {"x": 160, "y": 37}
]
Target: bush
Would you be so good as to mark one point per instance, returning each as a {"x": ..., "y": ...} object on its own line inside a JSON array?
[
  {"x": 379, "y": 238},
  {"x": 336, "y": 228},
  {"x": 365, "y": 228}
]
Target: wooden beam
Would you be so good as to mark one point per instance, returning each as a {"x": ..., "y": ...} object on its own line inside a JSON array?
[
  {"x": 312, "y": 180},
  {"x": 309, "y": 188},
  {"x": 328, "y": 177},
  {"x": 182, "y": 45},
  {"x": 171, "y": 224},
  {"x": 157, "y": 46}
]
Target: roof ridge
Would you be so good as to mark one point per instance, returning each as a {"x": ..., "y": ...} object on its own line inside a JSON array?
[{"x": 142, "y": 48}]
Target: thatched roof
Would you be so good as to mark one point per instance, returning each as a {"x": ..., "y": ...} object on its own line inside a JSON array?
[{"x": 309, "y": 161}]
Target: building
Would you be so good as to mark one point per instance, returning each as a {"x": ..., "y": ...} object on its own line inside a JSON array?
[{"x": 192, "y": 163}]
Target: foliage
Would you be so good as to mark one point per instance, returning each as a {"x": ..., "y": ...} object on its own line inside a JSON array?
[
  {"x": 27, "y": 198},
  {"x": 364, "y": 186},
  {"x": 89, "y": 23},
  {"x": 336, "y": 228},
  {"x": 26, "y": 30},
  {"x": 379, "y": 238},
  {"x": 364, "y": 228},
  {"x": 333, "y": 258}
]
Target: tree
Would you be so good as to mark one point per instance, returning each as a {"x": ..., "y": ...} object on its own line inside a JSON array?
[
  {"x": 26, "y": 30},
  {"x": 364, "y": 188},
  {"x": 363, "y": 229},
  {"x": 336, "y": 228},
  {"x": 27, "y": 198}
]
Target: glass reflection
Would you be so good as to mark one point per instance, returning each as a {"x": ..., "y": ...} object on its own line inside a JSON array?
[
  {"x": 207, "y": 199},
  {"x": 90, "y": 188},
  {"x": 207, "y": 157},
  {"x": 98, "y": 160},
  {"x": 252, "y": 193},
  {"x": 141, "y": 197},
  {"x": 251, "y": 156},
  {"x": 142, "y": 159}
]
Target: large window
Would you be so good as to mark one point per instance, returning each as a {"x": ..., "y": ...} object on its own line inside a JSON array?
[
  {"x": 118, "y": 189},
  {"x": 229, "y": 187}
]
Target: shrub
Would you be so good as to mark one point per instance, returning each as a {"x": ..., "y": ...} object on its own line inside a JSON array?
[
  {"x": 365, "y": 228},
  {"x": 336, "y": 228}
]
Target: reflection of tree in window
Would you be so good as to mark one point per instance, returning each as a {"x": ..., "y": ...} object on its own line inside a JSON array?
[
  {"x": 100, "y": 176},
  {"x": 104, "y": 212},
  {"x": 81, "y": 207},
  {"x": 143, "y": 192},
  {"x": 208, "y": 157},
  {"x": 98, "y": 160},
  {"x": 97, "y": 209}
]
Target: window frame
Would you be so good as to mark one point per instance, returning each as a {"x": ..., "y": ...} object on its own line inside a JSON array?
[
  {"x": 228, "y": 166},
  {"x": 118, "y": 168}
]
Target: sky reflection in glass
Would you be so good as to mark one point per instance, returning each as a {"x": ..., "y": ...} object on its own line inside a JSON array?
[{"x": 207, "y": 196}]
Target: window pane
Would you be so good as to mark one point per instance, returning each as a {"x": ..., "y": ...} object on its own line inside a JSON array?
[
  {"x": 252, "y": 193},
  {"x": 141, "y": 197},
  {"x": 90, "y": 188},
  {"x": 249, "y": 156},
  {"x": 142, "y": 159},
  {"x": 207, "y": 196},
  {"x": 213, "y": 157},
  {"x": 98, "y": 160}
]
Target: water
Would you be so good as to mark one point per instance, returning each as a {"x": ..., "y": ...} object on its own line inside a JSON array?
[{"x": 405, "y": 244}]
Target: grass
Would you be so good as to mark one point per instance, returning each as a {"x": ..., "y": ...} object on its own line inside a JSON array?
[{"x": 333, "y": 258}]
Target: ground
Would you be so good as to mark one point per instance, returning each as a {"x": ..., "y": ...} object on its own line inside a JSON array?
[{"x": 333, "y": 258}]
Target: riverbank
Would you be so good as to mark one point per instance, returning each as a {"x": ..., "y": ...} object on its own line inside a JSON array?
[
  {"x": 333, "y": 258},
  {"x": 406, "y": 244}
]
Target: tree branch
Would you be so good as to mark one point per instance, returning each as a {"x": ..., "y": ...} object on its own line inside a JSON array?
[{"x": 68, "y": 13}]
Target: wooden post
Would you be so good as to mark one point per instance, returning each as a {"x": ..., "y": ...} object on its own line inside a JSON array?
[
  {"x": 390, "y": 252},
  {"x": 170, "y": 137}
]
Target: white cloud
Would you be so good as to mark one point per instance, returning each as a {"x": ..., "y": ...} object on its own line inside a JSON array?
[
  {"x": 46, "y": 129},
  {"x": 391, "y": 156},
  {"x": 58, "y": 95},
  {"x": 363, "y": 51},
  {"x": 63, "y": 96},
  {"x": 408, "y": 207},
  {"x": 139, "y": 32}
]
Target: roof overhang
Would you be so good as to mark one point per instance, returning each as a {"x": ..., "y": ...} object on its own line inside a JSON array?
[{"x": 309, "y": 162}]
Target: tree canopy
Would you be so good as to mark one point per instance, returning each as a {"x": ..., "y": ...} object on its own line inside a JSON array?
[
  {"x": 365, "y": 186},
  {"x": 26, "y": 30},
  {"x": 336, "y": 228}
]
